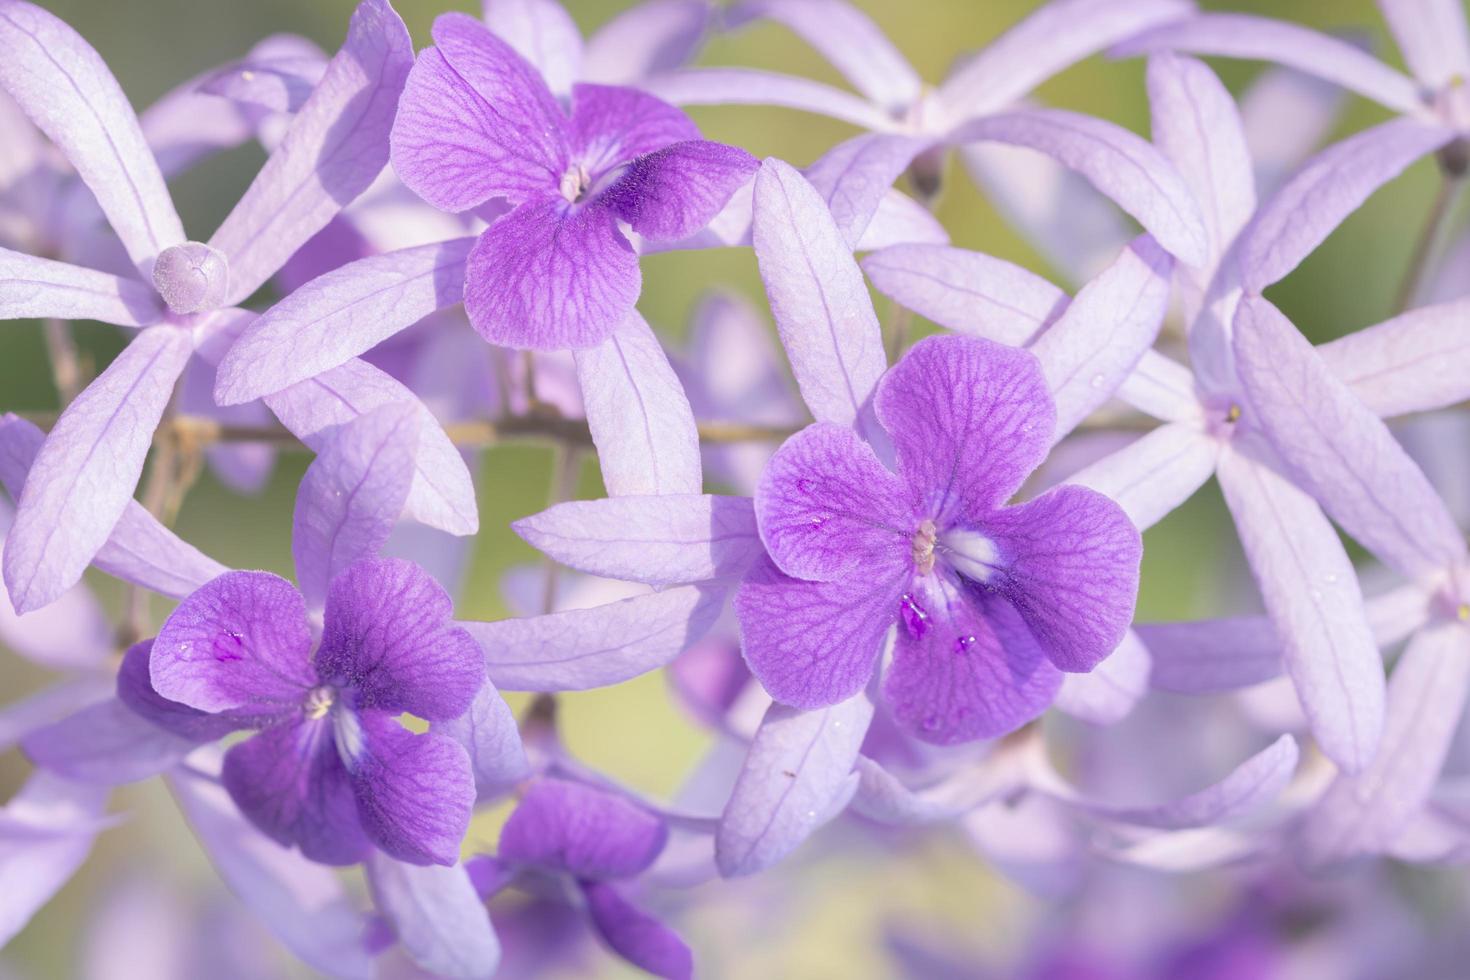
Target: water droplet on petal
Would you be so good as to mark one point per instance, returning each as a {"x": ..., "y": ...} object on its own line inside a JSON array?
[
  {"x": 915, "y": 619},
  {"x": 962, "y": 644},
  {"x": 1097, "y": 381},
  {"x": 805, "y": 485},
  {"x": 818, "y": 521},
  {"x": 1330, "y": 578}
]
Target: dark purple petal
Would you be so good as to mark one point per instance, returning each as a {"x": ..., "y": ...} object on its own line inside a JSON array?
[
  {"x": 826, "y": 506},
  {"x": 389, "y": 634},
  {"x": 611, "y": 125},
  {"x": 240, "y": 642},
  {"x": 812, "y": 644},
  {"x": 970, "y": 419},
  {"x": 414, "y": 792},
  {"x": 672, "y": 193},
  {"x": 135, "y": 689},
  {"x": 585, "y": 832},
  {"x": 550, "y": 276},
  {"x": 635, "y": 935},
  {"x": 476, "y": 121},
  {"x": 969, "y": 669},
  {"x": 1068, "y": 561},
  {"x": 290, "y": 782}
]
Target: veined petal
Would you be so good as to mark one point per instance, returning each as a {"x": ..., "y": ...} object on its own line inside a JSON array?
[
  {"x": 135, "y": 691},
  {"x": 35, "y": 287},
  {"x": 1154, "y": 474},
  {"x": 278, "y": 77},
  {"x": 340, "y": 315},
  {"x": 1432, "y": 35},
  {"x": 1056, "y": 36},
  {"x": 654, "y": 36},
  {"x": 67, "y": 90},
  {"x": 1416, "y": 362},
  {"x": 544, "y": 34},
  {"x": 436, "y": 915},
  {"x": 415, "y": 793},
  {"x": 83, "y": 477},
  {"x": 1265, "y": 39},
  {"x": 750, "y": 86},
  {"x": 492, "y": 740},
  {"x": 1328, "y": 188},
  {"x": 882, "y": 797},
  {"x": 797, "y": 776},
  {"x": 901, "y": 220},
  {"x": 644, "y": 430},
  {"x": 821, "y": 305},
  {"x": 582, "y": 831},
  {"x": 1311, "y": 592},
  {"x": 1212, "y": 655},
  {"x": 635, "y": 935},
  {"x": 1093, "y": 346},
  {"x": 1118, "y": 163},
  {"x": 662, "y": 539},
  {"x": 1162, "y": 387},
  {"x": 1337, "y": 450},
  {"x": 335, "y": 148},
  {"x": 970, "y": 292},
  {"x": 671, "y": 193},
  {"x": 611, "y": 125},
  {"x": 586, "y": 648}
]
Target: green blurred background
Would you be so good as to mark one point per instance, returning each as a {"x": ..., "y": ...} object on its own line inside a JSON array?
[{"x": 632, "y": 730}]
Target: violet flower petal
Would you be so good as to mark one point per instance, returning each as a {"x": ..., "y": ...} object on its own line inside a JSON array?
[
  {"x": 351, "y": 496},
  {"x": 389, "y": 632},
  {"x": 659, "y": 540},
  {"x": 1287, "y": 116},
  {"x": 653, "y": 36},
  {"x": 1153, "y": 475},
  {"x": 751, "y": 86},
  {"x": 797, "y": 776},
  {"x": 340, "y": 315},
  {"x": 35, "y": 287},
  {"x": 635, "y": 935},
  {"x": 1416, "y": 362},
  {"x": 240, "y": 642},
  {"x": 437, "y": 917},
  {"x": 641, "y": 423},
  {"x": 1433, "y": 37},
  {"x": 106, "y": 744},
  {"x": 855, "y": 176},
  {"x": 415, "y": 793},
  {"x": 274, "y": 80},
  {"x": 67, "y": 90},
  {"x": 611, "y": 125},
  {"x": 135, "y": 690},
  {"x": 883, "y": 798},
  {"x": 970, "y": 292},
  {"x": 581, "y": 831},
  {"x": 544, "y": 34},
  {"x": 1109, "y": 692},
  {"x": 1164, "y": 388},
  {"x": 71, "y": 634},
  {"x": 335, "y": 148},
  {"x": 1212, "y": 655},
  {"x": 492, "y": 740},
  {"x": 34, "y": 869},
  {"x": 673, "y": 192},
  {"x": 83, "y": 477},
  {"x": 586, "y": 648}
]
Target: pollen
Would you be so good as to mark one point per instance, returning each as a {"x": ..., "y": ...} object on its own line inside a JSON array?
[
  {"x": 1233, "y": 415},
  {"x": 319, "y": 701},
  {"x": 1462, "y": 612},
  {"x": 924, "y": 539},
  {"x": 574, "y": 183}
]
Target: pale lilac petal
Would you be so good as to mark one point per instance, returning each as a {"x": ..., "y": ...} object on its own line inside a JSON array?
[
  {"x": 34, "y": 870},
  {"x": 305, "y": 905},
  {"x": 749, "y": 86},
  {"x": 1212, "y": 655},
  {"x": 1076, "y": 229},
  {"x": 1416, "y": 362},
  {"x": 184, "y": 126},
  {"x": 548, "y": 277},
  {"x": 821, "y": 305},
  {"x": 971, "y": 292},
  {"x": 442, "y": 494},
  {"x": 1426, "y": 697},
  {"x": 135, "y": 690},
  {"x": 388, "y": 632},
  {"x": 415, "y": 793},
  {"x": 71, "y": 634},
  {"x": 85, "y": 472},
  {"x": 578, "y": 830},
  {"x": 1154, "y": 474},
  {"x": 1164, "y": 388},
  {"x": 1108, "y": 693},
  {"x": 1196, "y": 125},
  {"x": 1433, "y": 38},
  {"x": 35, "y": 287},
  {"x": 827, "y": 507},
  {"x": 849, "y": 40},
  {"x": 901, "y": 220},
  {"x": 64, "y": 86},
  {"x": 244, "y": 467},
  {"x": 611, "y": 125},
  {"x": 1254, "y": 783},
  {"x": 1068, "y": 561},
  {"x": 1326, "y": 190},
  {"x": 1118, "y": 163},
  {"x": 659, "y": 540},
  {"x": 1056, "y": 36},
  {"x": 586, "y": 648},
  {"x": 106, "y": 744},
  {"x": 240, "y": 642},
  {"x": 544, "y": 34},
  {"x": 673, "y": 192},
  {"x": 477, "y": 122},
  {"x": 1337, "y": 450},
  {"x": 970, "y": 419},
  {"x": 635, "y": 935},
  {"x": 436, "y": 915},
  {"x": 489, "y": 735},
  {"x": 351, "y": 496},
  {"x": 1287, "y": 116},
  {"x": 641, "y": 422},
  {"x": 279, "y": 78},
  {"x": 1311, "y": 592},
  {"x": 1264, "y": 39},
  {"x": 797, "y": 776},
  {"x": 883, "y": 798},
  {"x": 814, "y": 644},
  {"x": 973, "y": 669},
  {"x": 1095, "y": 343},
  {"x": 24, "y": 715},
  {"x": 654, "y": 36},
  {"x": 343, "y": 314},
  {"x": 335, "y": 148}
]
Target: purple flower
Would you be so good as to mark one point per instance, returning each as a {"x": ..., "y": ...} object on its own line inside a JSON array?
[
  {"x": 477, "y": 122},
  {"x": 596, "y": 838},
  {"x": 331, "y": 770},
  {"x": 993, "y": 600}
]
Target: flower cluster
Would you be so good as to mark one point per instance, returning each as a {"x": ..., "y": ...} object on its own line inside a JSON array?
[{"x": 925, "y": 554}]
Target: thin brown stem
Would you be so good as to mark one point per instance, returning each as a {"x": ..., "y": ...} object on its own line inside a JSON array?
[
  {"x": 1421, "y": 261},
  {"x": 900, "y": 324},
  {"x": 66, "y": 363}
]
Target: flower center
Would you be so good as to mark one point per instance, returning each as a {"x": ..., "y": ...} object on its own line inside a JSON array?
[
  {"x": 970, "y": 553},
  {"x": 574, "y": 183},
  {"x": 923, "y": 544},
  {"x": 319, "y": 701},
  {"x": 191, "y": 278}
]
